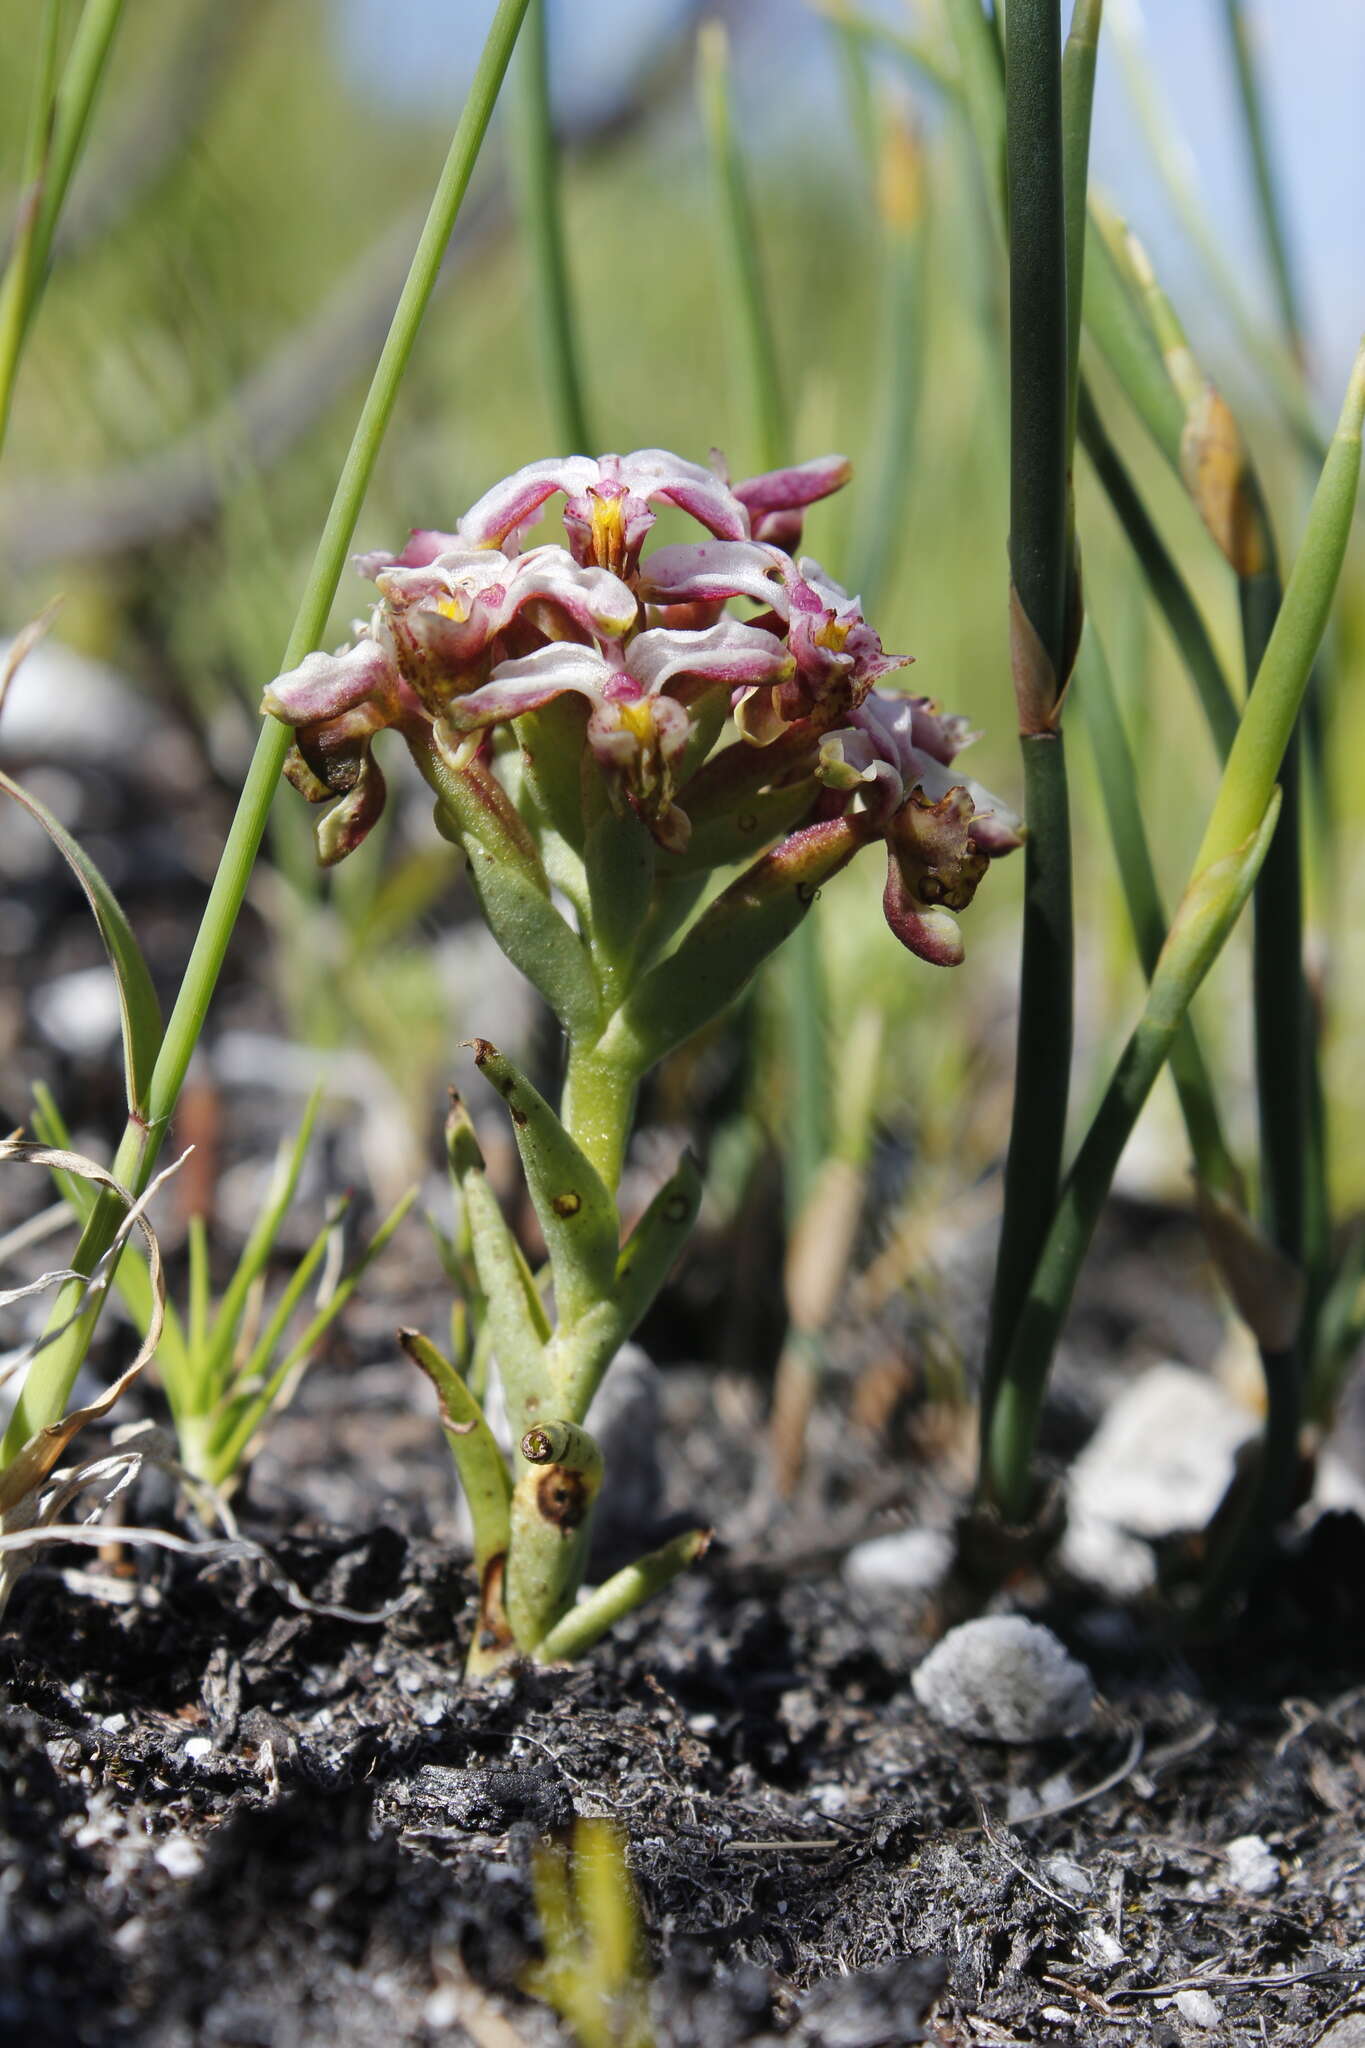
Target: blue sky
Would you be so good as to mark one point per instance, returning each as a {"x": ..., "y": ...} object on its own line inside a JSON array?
[{"x": 1313, "y": 67}]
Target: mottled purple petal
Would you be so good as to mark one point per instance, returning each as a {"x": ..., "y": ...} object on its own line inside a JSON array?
[
  {"x": 711, "y": 571},
  {"x": 423, "y": 545},
  {"x": 927, "y": 930},
  {"x": 727, "y": 652},
  {"x": 502, "y": 514},
  {"x": 325, "y": 685},
  {"x": 527, "y": 684},
  {"x": 787, "y": 490},
  {"x": 347, "y": 823}
]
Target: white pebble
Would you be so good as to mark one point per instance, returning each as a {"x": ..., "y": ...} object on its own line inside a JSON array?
[
  {"x": 197, "y": 1746},
  {"x": 909, "y": 1561},
  {"x": 1069, "y": 1876},
  {"x": 1198, "y": 2008},
  {"x": 179, "y": 1856},
  {"x": 1004, "y": 1679},
  {"x": 1251, "y": 1865}
]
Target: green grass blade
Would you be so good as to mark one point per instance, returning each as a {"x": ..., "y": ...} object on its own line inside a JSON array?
[
  {"x": 538, "y": 168},
  {"x": 1118, "y": 786},
  {"x": 18, "y": 287},
  {"x": 755, "y": 346},
  {"x": 1168, "y": 586},
  {"x": 49, "y": 1381},
  {"x": 139, "y": 1011}
]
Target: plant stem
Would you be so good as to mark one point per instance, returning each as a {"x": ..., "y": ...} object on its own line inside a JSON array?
[
  {"x": 1165, "y": 580},
  {"x": 50, "y": 1379},
  {"x": 56, "y": 137},
  {"x": 618, "y": 1596},
  {"x": 1078, "y": 98},
  {"x": 1118, "y": 785},
  {"x": 756, "y": 349},
  {"x": 598, "y": 1106},
  {"x": 538, "y": 164},
  {"x": 1220, "y": 880},
  {"x": 1268, "y": 208},
  {"x": 879, "y": 528},
  {"x": 1039, "y": 557}
]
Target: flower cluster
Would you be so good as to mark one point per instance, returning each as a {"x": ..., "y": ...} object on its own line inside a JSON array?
[{"x": 470, "y": 632}]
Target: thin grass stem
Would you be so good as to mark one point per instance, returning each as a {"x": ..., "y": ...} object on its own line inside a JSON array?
[
  {"x": 1239, "y": 831},
  {"x": 1142, "y": 895},
  {"x": 538, "y": 167},
  {"x": 50, "y": 1379}
]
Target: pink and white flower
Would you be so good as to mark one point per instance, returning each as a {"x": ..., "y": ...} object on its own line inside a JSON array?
[
  {"x": 638, "y": 726},
  {"x": 836, "y": 655},
  {"x": 941, "y": 828}
]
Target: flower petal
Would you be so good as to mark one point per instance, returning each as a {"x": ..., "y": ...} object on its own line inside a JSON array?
[
  {"x": 530, "y": 682},
  {"x": 325, "y": 685},
  {"x": 787, "y": 490},
  {"x": 423, "y": 545},
  {"x": 502, "y": 514},
  {"x": 727, "y": 652},
  {"x": 711, "y": 571},
  {"x": 926, "y": 930},
  {"x": 347, "y": 823},
  {"x": 657, "y": 473}
]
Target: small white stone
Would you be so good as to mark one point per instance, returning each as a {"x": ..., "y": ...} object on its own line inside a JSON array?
[
  {"x": 1198, "y": 2008},
  {"x": 1158, "y": 1465},
  {"x": 79, "y": 1012},
  {"x": 443, "y": 2009},
  {"x": 179, "y": 1856},
  {"x": 114, "y": 1724},
  {"x": 909, "y": 1561},
  {"x": 65, "y": 704},
  {"x": 1069, "y": 1877},
  {"x": 1347, "y": 2032},
  {"x": 1004, "y": 1679},
  {"x": 1251, "y": 1865},
  {"x": 197, "y": 1746},
  {"x": 1099, "y": 1946}
]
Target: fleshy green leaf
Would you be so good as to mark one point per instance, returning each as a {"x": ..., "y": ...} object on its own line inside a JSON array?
[
  {"x": 139, "y": 1011},
  {"x": 578, "y": 1216}
]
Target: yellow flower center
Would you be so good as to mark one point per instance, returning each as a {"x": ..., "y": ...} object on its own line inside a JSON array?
[
  {"x": 608, "y": 529},
  {"x": 832, "y": 635},
  {"x": 638, "y": 718},
  {"x": 454, "y": 607}
]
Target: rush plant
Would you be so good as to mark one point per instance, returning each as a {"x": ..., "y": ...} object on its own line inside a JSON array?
[{"x": 649, "y": 792}]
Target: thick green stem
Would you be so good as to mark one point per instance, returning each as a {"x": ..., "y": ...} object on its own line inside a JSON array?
[
  {"x": 1033, "y": 1165},
  {"x": 598, "y": 1106},
  {"x": 1039, "y": 559},
  {"x": 50, "y": 1379}
]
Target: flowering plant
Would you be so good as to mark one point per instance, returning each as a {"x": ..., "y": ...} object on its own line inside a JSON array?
[{"x": 601, "y": 732}]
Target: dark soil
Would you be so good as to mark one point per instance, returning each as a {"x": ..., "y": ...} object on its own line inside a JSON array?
[{"x": 230, "y": 1821}]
